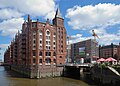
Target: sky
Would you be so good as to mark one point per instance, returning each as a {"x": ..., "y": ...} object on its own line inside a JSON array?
[{"x": 80, "y": 18}]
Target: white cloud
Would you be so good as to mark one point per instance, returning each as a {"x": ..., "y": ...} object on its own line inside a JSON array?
[
  {"x": 89, "y": 17},
  {"x": 104, "y": 37},
  {"x": 11, "y": 26},
  {"x": 32, "y": 7},
  {"x": 8, "y": 13},
  {"x": 118, "y": 33},
  {"x": 99, "y": 31},
  {"x": 4, "y": 46},
  {"x": 78, "y": 38},
  {"x": 109, "y": 38},
  {"x": 12, "y": 13}
]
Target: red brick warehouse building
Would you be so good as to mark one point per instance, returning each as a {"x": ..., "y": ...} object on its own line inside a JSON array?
[
  {"x": 109, "y": 51},
  {"x": 39, "y": 48}
]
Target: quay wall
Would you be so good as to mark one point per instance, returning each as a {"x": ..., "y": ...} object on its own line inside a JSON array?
[
  {"x": 38, "y": 71},
  {"x": 104, "y": 76}
]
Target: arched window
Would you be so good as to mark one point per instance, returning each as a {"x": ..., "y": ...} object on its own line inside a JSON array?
[
  {"x": 47, "y": 32},
  {"x": 60, "y": 56}
]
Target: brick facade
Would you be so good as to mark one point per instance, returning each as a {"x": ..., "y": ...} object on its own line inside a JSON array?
[
  {"x": 90, "y": 51},
  {"x": 39, "y": 45},
  {"x": 108, "y": 51}
]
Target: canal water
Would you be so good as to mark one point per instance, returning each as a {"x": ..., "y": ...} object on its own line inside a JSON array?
[{"x": 10, "y": 78}]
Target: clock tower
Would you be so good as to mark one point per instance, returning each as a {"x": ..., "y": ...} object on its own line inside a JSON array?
[{"x": 58, "y": 22}]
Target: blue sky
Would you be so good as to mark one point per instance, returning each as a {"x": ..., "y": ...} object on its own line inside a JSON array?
[{"x": 80, "y": 17}]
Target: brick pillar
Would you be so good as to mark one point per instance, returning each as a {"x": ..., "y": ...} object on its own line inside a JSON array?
[{"x": 37, "y": 47}]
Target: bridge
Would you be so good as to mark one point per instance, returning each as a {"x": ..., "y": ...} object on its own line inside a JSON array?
[
  {"x": 75, "y": 70},
  {"x": 83, "y": 65}
]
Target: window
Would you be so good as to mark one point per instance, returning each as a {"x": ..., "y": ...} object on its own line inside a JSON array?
[
  {"x": 48, "y": 53},
  {"x": 34, "y": 46},
  {"x": 34, "y": 61},
  {"x": 60, "y": 56},
  {"x": 34, "y": 53},
  {"x": 40, "y": 54},
  {"x": 40, "y": 47},
  {"x": 54, "y": 60},
  {"x": 34, "y": 36},
  {"x": 54, "y": 43},
  {"x": 54, "y": 48},
  {"x": 49, "y": 47},
  {"x": 34, "y": 25},
  {"x": 48, "y": 32},
  {"x": 40, "y": 60},
  {"x": 34, "y": 41},
  {"x": 48, "y": 60},
  {"x": 47, "y": 42},
  {"x": 54, "y": 54},
  {"x": 47, "y": 37},
  {"x": 40, "y": 36},
  {"x": 40, "y": 42},
  {"x": 40, "y": 31}
]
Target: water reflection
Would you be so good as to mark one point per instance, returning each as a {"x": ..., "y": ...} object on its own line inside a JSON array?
[{"x": 10, "y": 78}]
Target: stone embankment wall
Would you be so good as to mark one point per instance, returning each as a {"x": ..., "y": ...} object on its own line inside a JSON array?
[
  {"x": 104, "y": 76},
  {"x": 38, "y": 71}
]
